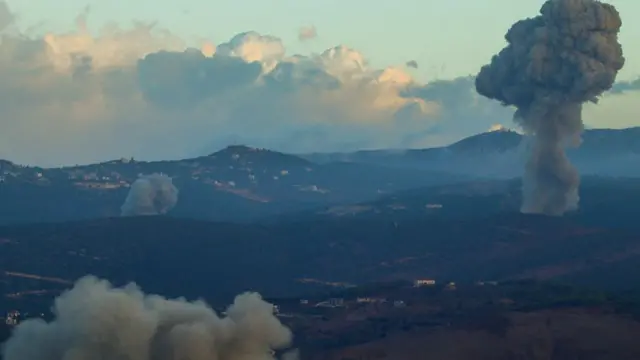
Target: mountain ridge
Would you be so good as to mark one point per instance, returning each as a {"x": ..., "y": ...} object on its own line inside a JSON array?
[
  {"x": 501, "y": 154},
  {"x": 241, "y": 183},
  {"x": 238, "y": 183},
  {"x": 499, "y": 140}
]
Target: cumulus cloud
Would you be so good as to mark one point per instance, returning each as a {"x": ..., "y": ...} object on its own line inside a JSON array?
[
  {"x": 79, "y": 97},
  {"x": 96, "y": 320},
  {"x": 150, "y": 195}
]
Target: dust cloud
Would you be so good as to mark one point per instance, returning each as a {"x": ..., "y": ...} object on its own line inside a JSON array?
[{"x": 95, "y": 320}]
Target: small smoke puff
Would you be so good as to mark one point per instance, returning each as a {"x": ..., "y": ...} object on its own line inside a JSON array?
[
  {"x": 553, "y": 63},
  {"x": 150, "y": 195},
  {"x": 307, "y": 33},
  {"x": 96, "y": 320},
  {"x": 412, "y": 64}
]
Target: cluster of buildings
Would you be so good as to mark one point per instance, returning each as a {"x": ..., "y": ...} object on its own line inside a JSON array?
[
  {"x": 331, "y": 303},
  {"x": 341, "y": 302},
  {"x": 94, "y": 180},
  {"x": 450, "y": 285},
  {"x": 81, "y": 178},
  {"x": 338, "y": 302},
  {"x": 12, "y": 318},
  {"x": 5, "y": 175},
  {"x": 375, "y": 300},
  {"x": 103, "y": 178},
  {"x": 430, "y": 282}
]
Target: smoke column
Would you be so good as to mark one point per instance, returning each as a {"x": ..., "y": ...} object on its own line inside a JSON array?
[
  {"x": 554, "y": 63},
  {"x": 97, "y": 321},
  {"x": 150, "y": 195}
]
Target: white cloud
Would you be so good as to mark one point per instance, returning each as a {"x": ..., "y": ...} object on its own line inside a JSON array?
[{"x": 78, "y": 98}]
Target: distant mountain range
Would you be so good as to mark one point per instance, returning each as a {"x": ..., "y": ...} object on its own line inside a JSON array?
[
  {"x": 241, "y": 183},
  {"x": 501, "y": 154}
]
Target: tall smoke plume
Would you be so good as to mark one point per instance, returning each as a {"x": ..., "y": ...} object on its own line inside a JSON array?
[
  {"x": 97, "y": 321},
  {"x": 554, "y": 63},
  {"x": 150, "y": 195}
]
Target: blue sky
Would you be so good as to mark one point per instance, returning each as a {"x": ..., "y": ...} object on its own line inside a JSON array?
[{"x": 447, "y": 38}]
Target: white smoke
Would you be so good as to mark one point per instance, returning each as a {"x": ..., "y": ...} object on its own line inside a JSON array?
[
  {"x": 150, "y": 195},
  {"x": 95, "y": 320}
]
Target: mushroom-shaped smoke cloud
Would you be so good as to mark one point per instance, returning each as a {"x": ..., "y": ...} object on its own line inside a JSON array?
[
  {"x": 97, "y": 321},
  {"x": 150, "y": 195},
  {"x": 554, "y": 63}
]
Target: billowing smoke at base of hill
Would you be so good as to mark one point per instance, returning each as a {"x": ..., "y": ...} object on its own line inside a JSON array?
[
  {"x": 554, "y": 63},
  {"x": 150, "y": 195},
  {"x": 97, "y": 321}
]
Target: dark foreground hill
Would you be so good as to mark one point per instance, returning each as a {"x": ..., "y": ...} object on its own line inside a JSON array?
[
  {"x": 516, "y": 320},
  {"x": 218, "y": 260},
  {"x": 604, "y": 201}
]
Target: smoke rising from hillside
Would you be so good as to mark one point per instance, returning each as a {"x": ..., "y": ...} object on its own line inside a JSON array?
[
  {"x": 554, "y": 63},
  {"x": 150, "y": 195},
  {"x": 94, "y": 320}
]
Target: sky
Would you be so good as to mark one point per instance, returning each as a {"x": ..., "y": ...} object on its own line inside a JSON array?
[{"x": 103, "y": 114}]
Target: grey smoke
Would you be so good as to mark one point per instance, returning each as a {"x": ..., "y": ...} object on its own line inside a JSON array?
[
  {"x": 150, "y": 195},
  {"x": 95, "y": 320},
  {"x": 7, "y": 18},
  {"x": 554, "y": 63},
  {"x": 412, "y": 64}
]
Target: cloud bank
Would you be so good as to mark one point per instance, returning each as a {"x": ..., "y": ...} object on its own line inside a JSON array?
[
  {"x": 97, "y": 321},
  {"x": 76, "y": 98}
]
